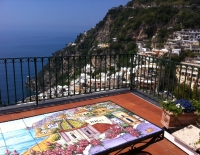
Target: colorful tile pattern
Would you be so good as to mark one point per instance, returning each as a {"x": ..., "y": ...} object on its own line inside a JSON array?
[{"x": 85, "y": 130}]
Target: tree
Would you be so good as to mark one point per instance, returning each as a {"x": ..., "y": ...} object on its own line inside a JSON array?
[
  {"x": 95, "y": 43},
  {"x": 162, "y": 35},
  {"x": 131, "y": 46}
]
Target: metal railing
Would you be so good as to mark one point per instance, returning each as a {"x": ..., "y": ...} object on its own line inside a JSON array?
[{"x": 42, "y": 78}]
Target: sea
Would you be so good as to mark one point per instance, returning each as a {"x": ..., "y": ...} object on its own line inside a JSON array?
[{"x": 25, "y": 44}]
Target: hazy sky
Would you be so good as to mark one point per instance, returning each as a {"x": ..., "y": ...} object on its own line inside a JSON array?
[{"x": 53, "y": 15}]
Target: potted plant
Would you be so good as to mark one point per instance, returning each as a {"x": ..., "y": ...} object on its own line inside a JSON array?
[{"x": 180, "y": 113}]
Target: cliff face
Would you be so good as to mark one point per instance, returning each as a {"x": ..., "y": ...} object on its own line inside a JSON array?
[
  {"x": 103, "y": 32},
  {"x": 139, "y": 20}
]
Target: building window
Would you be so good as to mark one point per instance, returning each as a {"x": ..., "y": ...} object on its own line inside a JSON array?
[
  {"x": 88, "y": 132},
  {"x": 73, "y": 135},
  {"x": 129, "y": 120}
]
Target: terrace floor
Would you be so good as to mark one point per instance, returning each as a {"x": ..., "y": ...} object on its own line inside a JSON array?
[{"x": 126, "y": 99}]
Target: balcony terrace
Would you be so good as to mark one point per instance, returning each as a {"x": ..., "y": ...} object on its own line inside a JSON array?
[
  {"x": 140, "y": 105},
  {"x": 133, "y": 82}
]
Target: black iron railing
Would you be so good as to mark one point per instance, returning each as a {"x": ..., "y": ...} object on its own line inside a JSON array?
[{"x": 42, "y": 78}]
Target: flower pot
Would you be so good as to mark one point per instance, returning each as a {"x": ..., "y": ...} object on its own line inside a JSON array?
[{"x": 169, "y": 120}]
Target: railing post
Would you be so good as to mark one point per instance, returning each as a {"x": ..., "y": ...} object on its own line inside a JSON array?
[
  {"x": 79, "y": 68},
  {"x": 43, "y": 85},
  {"x": 50, "y": 60},
  {"x": 190, "y": 84},
  {"x": 68, "y": 78},
  {"x": 36, "y": 88},
  {"x": 95, "y": 72},
  {"x": 62, "y": 59},
  {"x": 74, "y": 73},
  {"x": 85, "y": 81},
  {"x": 131, "y": 72},
  {"x": 100, "y": 70},
  {"x": 105, "y": 78},
  {"x": 22, "y": 82},
  {"x": 7, "y": 87},
  {"x": 173, "y": 80},
  {"x": 56, "y": 67},
  {"x": 29, "y": 81},
  {"x": 14, "y": 76},
  {"x": 91, "y": 73},
  {"x": 197, "y": 95}
]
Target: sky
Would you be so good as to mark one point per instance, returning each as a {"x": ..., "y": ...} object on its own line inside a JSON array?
[{"x": 53, "y": 15}]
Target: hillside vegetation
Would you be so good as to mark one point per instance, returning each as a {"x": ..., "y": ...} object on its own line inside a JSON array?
[{"x": 139, "y": 20}]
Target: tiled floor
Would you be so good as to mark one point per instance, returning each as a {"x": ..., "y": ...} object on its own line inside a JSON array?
[{"x": 127, "y": 100}]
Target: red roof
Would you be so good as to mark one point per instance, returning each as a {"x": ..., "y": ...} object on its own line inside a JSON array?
[{"x": 102, "y": 127}]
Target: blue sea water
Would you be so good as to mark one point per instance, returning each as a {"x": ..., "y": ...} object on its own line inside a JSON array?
[
  {"x": 19, "y": 140},
  {"x": 14, "y": 44},
  {"x": 22, "y": 44}
]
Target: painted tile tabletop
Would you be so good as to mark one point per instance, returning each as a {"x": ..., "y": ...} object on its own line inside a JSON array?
[{"x": 82, "y": 130}]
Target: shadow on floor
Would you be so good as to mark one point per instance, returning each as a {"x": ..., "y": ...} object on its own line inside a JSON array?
[
  {"x": 139, "y": 153},
  {"x": 143, "y": 153}
]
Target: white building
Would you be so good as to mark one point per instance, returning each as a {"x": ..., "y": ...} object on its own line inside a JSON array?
[{"x": 176, "y": 51}]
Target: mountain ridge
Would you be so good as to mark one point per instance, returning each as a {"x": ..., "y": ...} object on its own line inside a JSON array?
[{"x": 124, "y": 25}]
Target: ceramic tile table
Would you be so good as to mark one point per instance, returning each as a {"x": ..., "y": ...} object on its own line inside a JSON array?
[{"x": 98, "y": 128}]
